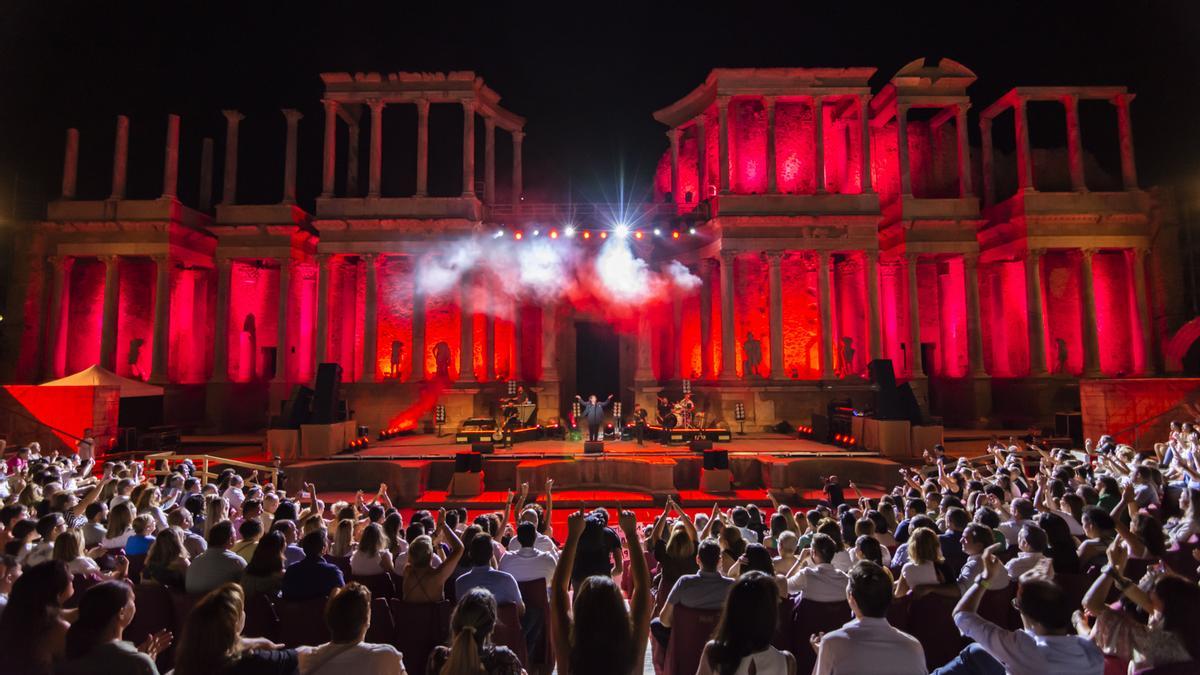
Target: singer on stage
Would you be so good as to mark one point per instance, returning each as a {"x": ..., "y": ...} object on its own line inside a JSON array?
[{"x": 593, "y": 412}]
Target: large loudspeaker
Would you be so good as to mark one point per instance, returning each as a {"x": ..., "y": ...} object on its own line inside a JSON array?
[
  {"x": 820, "y": 427},
  {"x": 325, "y": 400},
  {"x": 298, "y": 408},
  {"x": 593, "y": 447},
  {"x": 483, "y": 448},
  {"x": 700, "y": 445},
  {"x": 887, "y": 401},
  {"x": 910, "y": 405},
  {"x": 468, "y": 462},
  {"x": 716, "y": 459}
]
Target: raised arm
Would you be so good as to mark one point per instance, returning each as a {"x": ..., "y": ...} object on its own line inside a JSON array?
[
  {"x": 90, "y": 497},
  {"x": 687, "y": 522},
  {"x": 716, "y": 514},
  {"x": 456, "y": 548},
  {"x": 560, "y": 601},
  {"x": 549, "y": 516},
  {"x": 640, "y": 604},
  {"x": 659, "y": 525}
]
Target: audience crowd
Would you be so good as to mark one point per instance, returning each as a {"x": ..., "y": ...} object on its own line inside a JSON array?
[{"x": 1026, "y": 560}]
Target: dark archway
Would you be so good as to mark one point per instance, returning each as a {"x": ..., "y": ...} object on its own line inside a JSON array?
[{"x": 597, "y": 360}]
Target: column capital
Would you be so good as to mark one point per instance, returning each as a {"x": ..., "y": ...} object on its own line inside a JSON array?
[
  {"x": 768, "y": 102},
  {"x": 1036, "y": 253},
  {"x": 469, "y": 105},
  {"x": 422, "y": 106},
  {"x": 233, "y": 116},
  {"x": 108, "y": 258},
  {"x": 912, "y": 257},
  {"x": 970, "y": 259},
  {"x": 518, "y": 135},
  {"x": 292, "y": 115},
  {"x": 774, "y": 258},
  {"x": 369, "y": 258},
  {"x": 1142, "y": 252},
  {"x": 64, "y": 260},
  {"x": 723, "y": 100},
  {"x": 727, "y": 256},
  {"x": 673, "y": 134},
  {"x": 160, "y": 258},
  {"x": 331, "y": 106},
  {"x": 376, "y": 105},
  {"x": 224, "y": 263},
  {"x": 1123, "y": 99},
  {"x": 1088, "y": 252},
  {"x": 870, "y": 255}
]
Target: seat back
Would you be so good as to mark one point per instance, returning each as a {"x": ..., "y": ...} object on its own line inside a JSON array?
[
  {"x": 539, "y": 647},
  {"x": 154, "y": 613},
  {"x": 261, "y": 618},
  {"x": 1115, "y": 665},
  {"x": 80, "y": 582},
  {"x": 181, "y": 606},
  {"x": 380, "y": 585},
  {"x": 136, "y": 564},
  {"x": 785, "y": 625},
  {"x": 419, "y": 628},
  {"x": 508, "y": 631},
  {"x": 810, "y": 617},
  {"x": 1179, "y": 559},
  {"x": 382, "y": 629},
  {"x": 1074, "y": 585},
  {"x": 691, "y": 629},
  {"x": 931, "y": 621},
  {"x": 997, "y": 607},
  {"x": 302, "y": 622},
  {"x": 342, "y": 562}
]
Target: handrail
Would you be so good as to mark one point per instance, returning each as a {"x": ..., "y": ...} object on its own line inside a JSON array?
[
  {"x": 1174, "y": 410},
  {"x": 206, "y": 461}
]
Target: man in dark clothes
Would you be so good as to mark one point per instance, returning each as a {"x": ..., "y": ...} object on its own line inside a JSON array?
[
  {"x": 593, "y": 412},
  {"x": 833, "y": 492},
  {"x": 598, "y": 547}
]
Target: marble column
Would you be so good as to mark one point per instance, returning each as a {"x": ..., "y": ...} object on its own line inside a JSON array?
[
  {"x": 468, "y": 159},
  {"x": 60, "y": 270},
  {"x": 701, "y": 159},
  {"x": 1074, "y": 143},
  {"x": 120, "y": 158},
  {"x": 673, "y": 136},
  {"x": 1125, "y": 134},
  {"x": 989, "y": 181},
  {"x": 676, "y": 343},
  {"x": 723, "y": 103},
  {"x": 549, "y": 343},
  {"x": 706, "y": 347},
  {"x": 229, "y": 180},
  {"x": 516, "y": 369},
  {"x": 108, "y": 324},
  {"x": 871, "y": 258},
  {"x": 171, "y": 158},
  {"x": 221, "y": 322},
  {"x": 974, "y": 323},
  {"x": 826, "y": 300},
  {"x": 329, "y": 158},
  {"x": 466, "y": 330},
  {"x": 281, "y": 325},
  {"x": 772, "y": 182},
  {"x": 489, "y": 160},
  {"x": 1024, "y": 156},
  {"x": 375, "y": 169},
  {"x": 422, "y": 147},
  {"x": 965, "y": 188},
  {"x": 161, "y": 348},
  {"x": 914, "y": 316},
  {"x": 1091, "y": 346},
  {"x": 902, "y": 149},
  {"x": 518, "y": 140},
  {"x": 370, "y": 318},
  {"x": 728, "y": 347},
  {"x": 322, "y": 347},
  {"x": 70, "y": 164},
  {"x": 418, "y": 333},
  {"x": 293, "y": 118},
  {"x": 489, "y": 346},
  {"x": 1142, "y": 297},
  {"x": 352, "y": 163},
  {"x": 775, "y": 289},
  {"x": 819, "y": 142},
  {"x": 1033, "y": 301},
  {"x": 645, "y": 369},
  {"x": 864, "y": 114}
]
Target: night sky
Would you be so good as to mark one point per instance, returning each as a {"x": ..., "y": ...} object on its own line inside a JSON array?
[{"x": 587, "y": 82}]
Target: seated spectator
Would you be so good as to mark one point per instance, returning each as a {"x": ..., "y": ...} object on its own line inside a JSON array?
[
  {"x": 68, "y": 548},
  {"x": 741, "y": 520},
  {"x": 264, "y": 572},
  {"x": 348, "y": 616},
  {"x": 975, "y": 540},
  {"x": 814, "y": 575},
  {"x": 180, "y": 521},
  {"x": 868, "y": 644},
  {"x": 33, "y": 632},
  {"x": 502, "y": 585},
  {"x": 924, "y": 566},
  {"x": 1031, "y": 549},
  {"x": 49, "y": 527},
  {"x": 542, "y": 543},
  {"x": 1180, "y": 529},
  {"x": 786, "y": 552},
  {"x": 868, "y": 548},
  {"x": 951, "y": 540},
  {"x": 250, "y": 532},
  {"x": 343, "y": 539},
  {"x": 141, "y": 539},
  {"x": 733, "y": 545},
  {"x": 312, "y": 577},
  {"x": 527, "y": 562},
  {"x": 94, "y": 529},
  {"x": 120, "y": 526},
  {"x": 742, "y": 643},
  {"x": 217, "y": 565},
  {"x": 292, "y": 553},
  {"x": 1022, "y": 512},
  {"x": 372, "y": 556},
  {"x": 94, "y": 643},
  {"x": 1100, "y": 530},
  {"x": 425, "y": 581},
  {"x": 10, "y": 570},
  {"x": 471, "y": 649},
  {"x": 704, "y": 590},
  {"x": 167, "y": 561},
  {"x": 211, "y": 643},
  {"x": 1060, "y": 545}
]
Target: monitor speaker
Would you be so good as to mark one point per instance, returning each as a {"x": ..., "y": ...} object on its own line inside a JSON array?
[
  {"x": 325, "y": 399},
  {"x": 468, "y": 462},
  {"x": 593, "y": 447},
  {"x": 820, "y": 428},
  {"x": 716, "y": 460},
  {"x": 909, "y": 405},
  {"x": 483, "y": 448},
  {"x": 887, "y": 402},
  {"x": 298, "y": 408},
  {"x": 700, "y": 445}
]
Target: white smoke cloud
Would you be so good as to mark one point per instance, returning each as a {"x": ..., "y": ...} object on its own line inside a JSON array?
[
  {"x": 682, "y": 277},
  {"x": 626, "y": 278}
]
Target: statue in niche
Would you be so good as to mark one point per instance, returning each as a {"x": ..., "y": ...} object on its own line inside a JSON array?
[
  {"x": 1061, "y": 346},
  {"x": 135, "y": 355},
  {"x": 397, "y": 352},
  {"x": 441, "y": 359},
  {"x": 249, "y": 348},
  {"x": 846, "y": 357},
  {"x": 752, "y": 350}
]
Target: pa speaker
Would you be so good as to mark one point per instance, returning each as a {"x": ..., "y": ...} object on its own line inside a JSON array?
[
  {"x": 887, "y": 402},
  {"x": 700, "y": 445},
  {"x": 325, "y": 400},
  {"x": 911, "y": 409},
  {"x": 716, "y": 460},
  {"x": 298, "y": 408},
  {"x": 468, "y": 462},
  {"x": 820, "y": 428},
  {"x": 593, "y": 447},
  {"x": 483, "y": 448}
]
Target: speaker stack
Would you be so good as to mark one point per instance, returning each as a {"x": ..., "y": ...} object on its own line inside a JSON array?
[
  {"x": 467, "y": 480},
  {"x": 593, "y": 447}
]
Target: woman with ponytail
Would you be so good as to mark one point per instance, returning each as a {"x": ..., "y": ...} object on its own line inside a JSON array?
[
  {"x": 471, "y": 651},
  {"x": 94, "y": 643},
  {"x": 743, "y": 639}
]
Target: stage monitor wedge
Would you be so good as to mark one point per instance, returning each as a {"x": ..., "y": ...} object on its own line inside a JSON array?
[{"x": 593, "y": 447}]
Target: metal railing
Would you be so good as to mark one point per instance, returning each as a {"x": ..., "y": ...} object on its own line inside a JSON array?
[{"x": 205, "y": 462}]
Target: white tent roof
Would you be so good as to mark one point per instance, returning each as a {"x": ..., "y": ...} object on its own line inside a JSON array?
[{"x": 95, "y": 376}]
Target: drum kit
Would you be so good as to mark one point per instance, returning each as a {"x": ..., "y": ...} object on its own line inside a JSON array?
[{"x": 683, "y": 415}]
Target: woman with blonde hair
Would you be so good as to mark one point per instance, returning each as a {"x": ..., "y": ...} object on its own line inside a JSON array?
[
  {"x": 216, "y": 509},
  {"x": 68, "y": 548},
  {"x": 422, "y": 581},
  {"x": 343, "y": 539},
  {"x": 471, "y": 650},
  {"x": 372, "y": 556},
  {"x": 120, "y": 526},
  {"x": 924, "y": 566},
  {"x": 167, "y": 560},
  {"x": 212, "y": 642}
]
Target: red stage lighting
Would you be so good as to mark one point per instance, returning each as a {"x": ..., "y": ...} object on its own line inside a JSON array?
[
  {"x": 604, "y": 235},
  {"x": 587, "y": 235},
  {"x": 554, "y": 234},
  {"x": 518, "y": 235},
  {"x": 675, "y": 234},
  {"x": 637, "y": 235}
]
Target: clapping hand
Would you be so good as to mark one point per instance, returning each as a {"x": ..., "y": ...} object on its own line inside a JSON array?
[{"x": 156, "y": 643}]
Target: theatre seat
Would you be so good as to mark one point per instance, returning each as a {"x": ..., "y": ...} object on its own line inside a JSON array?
[
  {"x": 154, "y": 613},
  {"x": 380, "y": 585},
  {"x": 261, "y": 618},
  {"x": 419, "y": 628},
  {"x": 931, "y": 621},
  {"x": 810, "y": 617},
  {"x": 382, "y": 629},
  {"x": 691, "y": 629},
  {"x": 136, "y": 564},
  {"x": 508, "y": 631},
  {"x": 535, "y": 624},
  {"x": 302, "y": 622}
]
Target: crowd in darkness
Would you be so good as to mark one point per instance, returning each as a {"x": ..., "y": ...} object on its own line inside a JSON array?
[{"x": 1039, "y": 560}]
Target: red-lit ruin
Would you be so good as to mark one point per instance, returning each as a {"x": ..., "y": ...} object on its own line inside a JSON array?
[{"x": 833, "y": 222}]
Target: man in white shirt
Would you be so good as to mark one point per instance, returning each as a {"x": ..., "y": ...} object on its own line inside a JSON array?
[
  {"x": 1022, "y": 512},
  {"x": 814, "y": 576},
  {"x": 233, "y": 493},
  {"x": 527, "y": 563},
  {"x": 975, "y": 540},
  {"x": 348, "y": 615},
  {"x": 541, "y": 542},
  {"x": 1031, "y": 546},
  {"x": 868, "y": 645}
]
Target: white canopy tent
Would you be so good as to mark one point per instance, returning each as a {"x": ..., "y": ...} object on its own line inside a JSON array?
[{"x": 95, "y": 376}]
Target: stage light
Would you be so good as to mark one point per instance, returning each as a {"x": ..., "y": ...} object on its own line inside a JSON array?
[
  {"x": 637, "y": 235},
  {"x": 536, "y": 232},
  {"x": 604, "y": 235},
  {"x": 621, "y": 230},
  {"x": 512, "y": 387},
  {"x": 739, "y": 412},
  {"x": 617, "y": 409},
  {"x": 554, "y": 234},
  {"x": 439, "y": 414},
  {"x": 587, "y": 235},
  {"x": 687, "y": 386},
  {"x": 570, "y": 232},
  {"x": 675, "y": 234},
  {"x": 499, "y": 233},
  {"x": 692, "y": 230},
  {"x": 657, "y": 232},
  {"x": 518, "y": 235}
]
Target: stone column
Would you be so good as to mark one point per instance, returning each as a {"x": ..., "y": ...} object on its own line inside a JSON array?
[
  {"x": 352, "y": 145},
  {"x": 673, "y": 135},
  {"x": 418, "y": 334},
  {"x": 826, "y": 300},
  {"x": 159, "y": 372},
  {"x": 466, "y": 330},
  {"x": 1091, "y": 346},
  {"x": 1125, "y": 133},
  {"x": 965, "y": 189},
  {"x": 723, "y": 103},
  {"x": 108, "y": 325},
  {"x": 375, "y": 170},
  {"x": 70, "y": 164},
  {"x": 902, "y": 148},
  {"x": 1141, "y": 294},
  {"x": 871, "y": 258},
  {"x": 914, "y": 316},
  {"x": 549, "y": 343},
  {"x": 676, "y": 343},
  {"x": 221, "y": 323},
  {"x": 489, "y": 160},
  {"x": 516, "y": 370},
  {"x": 60, "y": 269},
  {"x": 864, "y": 113},
  {"x": 518, "y": 139},
  {"x": 120, "y": 158},
  {"x": 728, "y": 348},
  {"x": 229, "y": 186},
  {"x": 489, "y": 346},
  {"x": 319, "y": 349},
  {"x": 819, "y": 142},
  {"x": 206, "y": 172},
  {"x": 1033, "y": 301},
  {"x": 370, "y": 318},
  {"x": 468, "y": 162},
  {"x": 281, "y": 325},
  {"x": 706, "y": 369},
  {"x": 772, "y": 183},
  {"x": 1074, "y": 143},
  {"x": 329, "y": 158},
  {"x": 775, "y": 283},
  {"x": 171, "y": 158},
  {"x": 293, "y": 118},
  {"x": 422, "y": 147},
  {"x": 1024, "y": 156},
  {"x": 701, "y": 158},
  {"x": 645, "y": 370},
  {"x": 989, "y": 182},
  {"x": 974, "y": 325}
]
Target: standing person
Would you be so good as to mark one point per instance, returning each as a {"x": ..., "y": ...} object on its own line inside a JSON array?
[
  {"x": 87, "y": 446},
  {"x": 639, "y": 423},
  {"x": 593, "y": 412}
]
